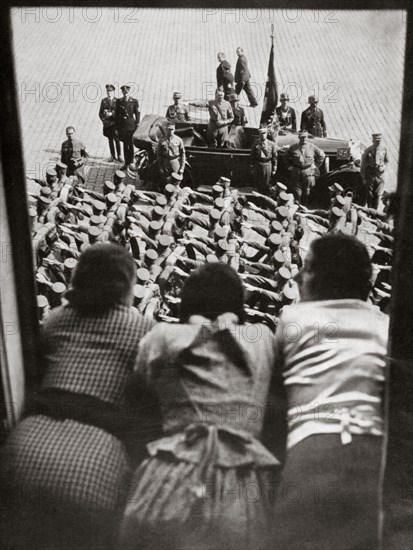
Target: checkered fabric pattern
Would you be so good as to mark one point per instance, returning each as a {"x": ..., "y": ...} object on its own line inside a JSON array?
[
  {"x": 92, "y": 355},
  {"x": 66, "y": 462}
]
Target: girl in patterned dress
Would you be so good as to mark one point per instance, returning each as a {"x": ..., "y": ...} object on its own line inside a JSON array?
[
  {"x": 209, "y": 483},
  {"x": 64, "y": 468}
]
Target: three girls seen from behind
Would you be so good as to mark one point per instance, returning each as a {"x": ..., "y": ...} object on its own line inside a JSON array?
[{"x": 220, "y": 474}]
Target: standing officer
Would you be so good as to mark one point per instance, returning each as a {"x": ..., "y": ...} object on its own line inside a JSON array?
[
  {"x": 220, "y": 117},
  {"x": 303, "y": 160},
  {"x": 228, "y": 82},
  {"x": 312, "y": 119},
  {"x": 127, "y": 118},
  {"x": 373, "y": 165},
  {"x": 178, "y": 112},
  {"x": 107, "y": 116},
  {"x": 263, "y": 161},
  {"x": 73, "y": 154},
  {"x": 286, "y": 114},
  {"x": 170, "y": 154},
  {"x": 242, "y": 77},
  {"x": 220, "y": 69}
]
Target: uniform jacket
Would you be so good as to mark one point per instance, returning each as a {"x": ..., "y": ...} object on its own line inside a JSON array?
[
  {"x": 127, "y": 115},
  {"x": 375, "y": 159},
  {"x": 178, "y": 113},
  {"x": 304, "y": 157},
  {"x": 220, "y": 72},
  {"x": 72, "y": 149},
  {"x": 108, "y": 105},
  {"x": 264, "y": 150},
  {"x": 219, "y": 112},
  {"x": 171, "y": 148},
  {"x": 228, "y": 83},
  {"x": 242, "y": 73},
  {"x": 287, "y": 119},
  {"x": 313, "y": 122}
]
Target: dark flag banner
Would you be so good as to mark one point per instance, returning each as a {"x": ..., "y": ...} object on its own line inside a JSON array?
[{"x": 271, "y": 90}]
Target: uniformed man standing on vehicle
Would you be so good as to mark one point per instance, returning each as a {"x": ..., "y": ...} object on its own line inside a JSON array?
[
  {"x": 170, "y": 154},
  {"x": 239, "y": 114},
  {"x": 178, "y": 112},
  {"x": 263, "y": 161},
  {"x": 220, "y": 69},
  {"x": 286, "y": 114},
  {"x": 73, "y": 154},
  {"x": 127, "y": 118},
  {"x": 228, "y": 82},
  {"x": 312, "y": 119},
  {"x": 373, "y": 166},
  {"x": 242, "y": 78},
  {"x": 220, "y": 117},
  {"x": 304, "y": 160}
]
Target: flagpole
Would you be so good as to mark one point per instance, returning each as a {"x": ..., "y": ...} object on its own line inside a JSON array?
[{"x": 271, "y": 92}]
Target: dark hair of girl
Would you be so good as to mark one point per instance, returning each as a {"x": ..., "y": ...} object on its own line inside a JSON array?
[
  {"x": 341, "y": 266},
  {"x": 102, "y": 279},
  {"x": 211, "y": 290}
]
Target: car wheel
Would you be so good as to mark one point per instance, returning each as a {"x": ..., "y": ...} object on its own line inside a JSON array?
[
  {"x": 350, "y": 181},
  {"x": 141, "y": 163}
]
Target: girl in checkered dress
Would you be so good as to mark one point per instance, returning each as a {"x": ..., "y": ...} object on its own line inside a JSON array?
[
  {"x": 209, "y": 483},
  {"x": 64, "y": 468}
]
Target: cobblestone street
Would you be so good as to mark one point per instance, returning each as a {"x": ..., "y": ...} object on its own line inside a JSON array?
[{"x": 353, "y": 61}]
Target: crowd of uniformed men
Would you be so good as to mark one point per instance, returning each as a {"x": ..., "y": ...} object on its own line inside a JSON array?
[
  {"x": 263, "y": 235},
  {"x": 172, "y": 232}
]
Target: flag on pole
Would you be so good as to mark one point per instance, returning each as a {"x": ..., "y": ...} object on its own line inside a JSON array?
[{"x": 271, "y": 90}]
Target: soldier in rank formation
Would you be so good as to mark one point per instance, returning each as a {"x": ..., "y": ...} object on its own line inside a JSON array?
[{"x": 171, "y": 233}]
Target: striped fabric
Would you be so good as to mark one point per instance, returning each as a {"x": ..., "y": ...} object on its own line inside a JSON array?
[
  {"x": 333, "y": 355},
  {"x": 232, "y": 511}
]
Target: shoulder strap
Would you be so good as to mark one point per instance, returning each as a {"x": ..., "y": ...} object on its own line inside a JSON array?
[{"x": 219, "y": 110}]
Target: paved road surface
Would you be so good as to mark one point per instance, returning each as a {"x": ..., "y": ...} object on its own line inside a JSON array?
[{"x": 352, "y": 60}]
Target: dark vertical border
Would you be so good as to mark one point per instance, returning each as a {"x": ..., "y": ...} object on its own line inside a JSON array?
[
  {"x": 16, "y": 201},
  {"x": 398, "y": 474}
]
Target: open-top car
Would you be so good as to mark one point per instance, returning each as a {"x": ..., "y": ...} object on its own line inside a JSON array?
[{"x": 205, "y": 165}]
